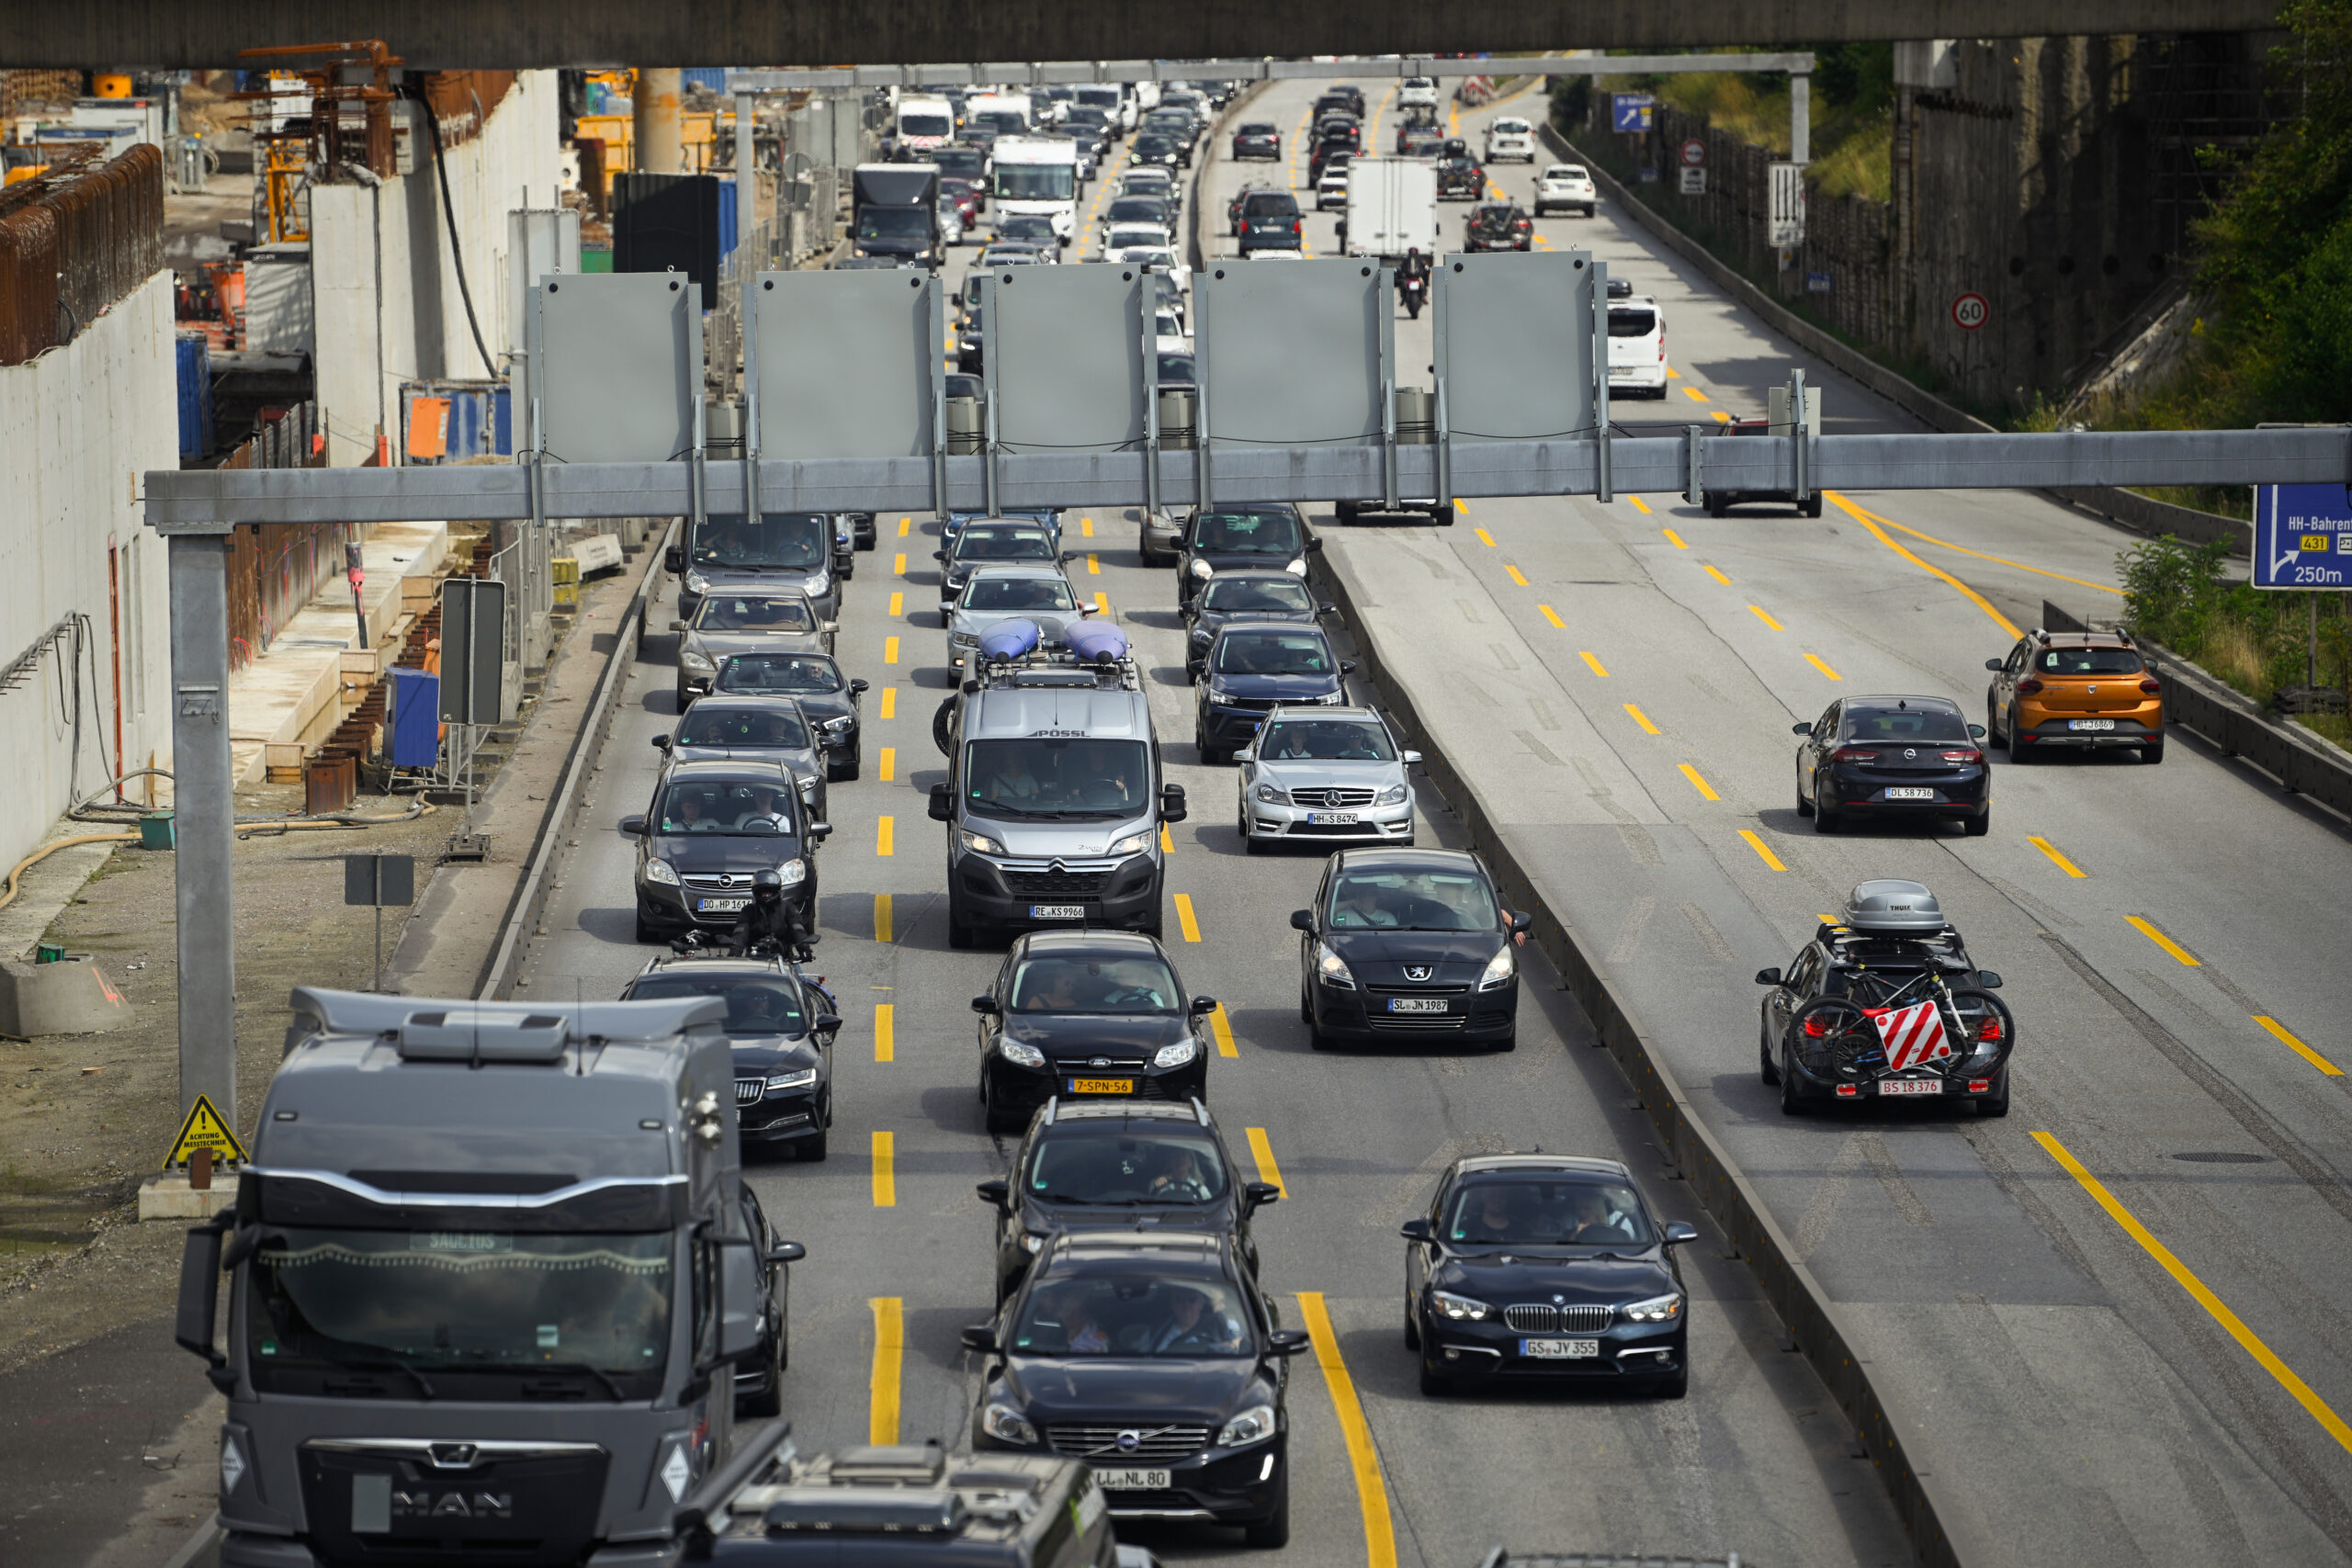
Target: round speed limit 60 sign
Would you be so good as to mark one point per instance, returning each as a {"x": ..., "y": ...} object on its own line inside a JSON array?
[{"x": 1970, "y": 311}]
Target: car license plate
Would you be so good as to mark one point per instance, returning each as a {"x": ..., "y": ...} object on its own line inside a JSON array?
[
  {"x": 1910, "y": 1086},
  {"x": 1057, "y": 912},
  {"x": 720, "y": 905},
  {"x": 1334, "y": 818},
  {"x": 1417, "y": 1004},
  {"x": 1560, "y": 1350},
  {"x": 1102, "y": 1086},
  {"x": 2090, "y": 724},
  {"x": 1906, "y": 792},
  {"x": 1133, "y": 1480}
]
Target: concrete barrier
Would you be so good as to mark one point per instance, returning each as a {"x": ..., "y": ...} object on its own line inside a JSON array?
[{"x": 70, "y": 997}]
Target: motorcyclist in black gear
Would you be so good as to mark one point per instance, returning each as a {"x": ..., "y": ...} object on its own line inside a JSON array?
[
  {"x": 767, "y": 919},
  {"x": 1413, "y": 280}
]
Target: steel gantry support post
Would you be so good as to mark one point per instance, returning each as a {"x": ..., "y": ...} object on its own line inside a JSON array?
[
  {"x": 1601, "y": 489},
  {"x": 204, "y": 808},
  {"x": 747, "y": 203},
  {"x": 1799, "y": 118}
]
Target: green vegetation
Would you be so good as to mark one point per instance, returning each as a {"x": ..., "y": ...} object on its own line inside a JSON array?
[{"x": 2196, "y": 601}]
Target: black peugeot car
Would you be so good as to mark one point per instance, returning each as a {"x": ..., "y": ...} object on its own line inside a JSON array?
[
  {"x": 1253, "y": 667},
  {"x": 710, "y": 829},
  {"x": 1544, "y": 1268},
  {"x": 1408, "y": 944},
  {"x": 1156, "y": 1358},
  {"x": 1123, "y": 1163},
  {"x": 780, "y": 1027},
  {"x": 827, "y": 697},
  {"x": 1248, "y": 594},
  {"x": 1872, "y": 759},
  {"x": 1088, "y": 1012},
  {"x": 1241, "y": 534}
]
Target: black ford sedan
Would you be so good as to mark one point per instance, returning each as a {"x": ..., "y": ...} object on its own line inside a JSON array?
[
  {"x": 1158, "y": 1360},
  {"x": 1544, "y": 1267},
  {"x": 1872, "y": 759},
  {"x": 1078, "y": 1013},
  {"x": 1133, "y": 1164},
  {"x": 710, "y": 829},
  {"x": 1408, "y": 944}
]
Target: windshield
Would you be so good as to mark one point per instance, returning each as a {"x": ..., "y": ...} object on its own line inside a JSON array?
[
  {"x": 1154, "y": 143},
  {"x": 792, "y": 540},
  {"x": 728, "y": 614},
  {"x": 997, "y": 541},
  {"x": 1511, "y": 127},
  {"x": 925, "y": 124},
  {"x": 1106, "y": 97},
  {"x": 1146, "y": 182},
  {"x": 708, "y": 724},
  {"x": 1025, "y": 226},
  {"x": 1244, "y": 596},
  {"x": 1095, "y": 984},
  {"x": 1018, "y": 593},
  {"x": 1004, "y": 122},
  {"x": 1937, "y": 724},
  {"x": 1136, "y": 239},
  {"x": 756, "y": 1004},
  {"x": 1126, "y": 1164},
  {"x": 456, "y": 1300},
  {"x": 965, "y": 163},
  {"x": 1270, "y": 204},
  {"x": 1248, "y": 533},
  {"x": 1045, "y": 776},
  {"x": 1036, "y": 181},
  {"x": 1413, "y": 901},
  {"x": 1138, "y": 209},
  {"x": 1326, "y": 741},
  {"x": 2087, "y": 661},
  {"x": 734, "y": 807},
  {"x": 1178, "y": 370},
  {"x": 1133, "y": 1315},
  {"x": 796, "y": 674},
  {"x": 893, "y": 223},
  {"x": 1551, "y": 1212},
  {"x": 1273, "y": 653},
  {"x": 1631, "y": 320}
]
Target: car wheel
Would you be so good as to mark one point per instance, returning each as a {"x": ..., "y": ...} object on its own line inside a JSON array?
[
  {"x": 1813, "y": 507},
  {"x": 999, "y": 1121},
  {"x": 1792, "y": 1102},
  {"x": 1344, "y": 512},
  {"x": 2153, "y": 753},
  {"x": 1823, "y": 820},
  {"x": 769, "y": 1401},
  {"x": 1210, "y": 755},
  {"x": 646, "y": 932},
  {"x": 1805, "y": 806},
  {"x": 1980, "y": 824},
  {"x": 684, "y": 696},
  {"x": 1509, "y": 1042},
  {"x": 1716, "y": 504},
  {"x": 1993, "y": 735},
  {"x": 1412, "y": 1328},
  {"x": 1997, "y": 1102},
  {"x": 1274, "y": 1530},
  {"x": 1250, "y": 843},
  {"x": 1316, "y": 1039},
  {"x": 959, "y": 935},
  {"x": 1434, "y": 1383},
  {"x": 811, "y": 1151},
  {"x": 1674, "y": 1385}
]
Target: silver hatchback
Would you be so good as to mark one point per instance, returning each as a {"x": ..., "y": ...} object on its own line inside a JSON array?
[{"x": 1325, "y": 775}]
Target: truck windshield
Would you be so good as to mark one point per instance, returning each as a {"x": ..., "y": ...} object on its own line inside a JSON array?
[
  {"x": 1036, "y": 181},
  {"x": 1050, "y": 776},
  {"x": 462, "y": 1301},
  {"x": 895, "y": 223},
  {"x": 789, "y": 540},
  {"x": 925, "y": 125},
  {"x": 963, "y": 162}
]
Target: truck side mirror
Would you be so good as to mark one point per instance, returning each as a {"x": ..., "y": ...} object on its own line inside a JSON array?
[
  {"x": 943, "y": 803},
  {"x": 996, "y": 1194},
  {"x": 1172, "y": 803},
  {"x": 200, "y": 1291},
  {"x": 743, "y": 1305}
]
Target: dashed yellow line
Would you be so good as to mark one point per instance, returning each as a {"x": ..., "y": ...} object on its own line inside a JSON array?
[
  {"x": 1516, "y": 575},
  {"x": 1721, "y": 417},
  {"x": 889, "y": 702},
  {"x": 1694, "y": 394},
  {"x": 1553, "y": 616},
  {"x": 1484, "y": 537},
  {"x": 1263, "y": 1152},
  {"x": 1222, "y": 1028},
  {"x": 1698, "y": 783},
  {"x": 889, "y": 650},
  {"x": 1101, "y": 604},
  {"x": 1815, "y": 659},
  {"x": 883, "y": 835},
  {"x": 887, "y": 764},
  {"x": 1461, "y": 507},
  {"x": 1184, "y": 920},
  {"x": 886, "y": 1028},
  {"x": 1593, "y": 663},
  {"x": 1639, "y": 505},
  {"x": 889, "y": 1353},
  {"x": 1086, "y": 528},
  {"x": 2060, "y": 861},
  {"x": 898, "y": 605},
  {"x": 899, "y": 563},
  {"x": 905, "y": 524},
  {"x": 1093, "y": 565},
  {"x": 2150, "y": 931},
  {"x": 885, "y": 1178},
  {"x": 1758, "y": 610},
  {"x": 1674, "y": 538},
  {"x": 1763, "y": 849},
  {"x": 1717, "y": 573},
  {"x": 882, "y": 919},
  {"x": 1641, "y": 718},
  {"x": 1167, "y": 841},
  {"x": 2297, "y": 1047}
]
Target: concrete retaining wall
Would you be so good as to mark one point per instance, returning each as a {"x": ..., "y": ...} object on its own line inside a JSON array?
[{"x": 79, "y": 424}]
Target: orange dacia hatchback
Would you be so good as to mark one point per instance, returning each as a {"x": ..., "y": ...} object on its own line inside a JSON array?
[{"x": 2080, "y": 689}]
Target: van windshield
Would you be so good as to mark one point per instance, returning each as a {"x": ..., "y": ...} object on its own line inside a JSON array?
[
  {"x": 1631, "y": 320},
  {"x": 925, "y": 125},
  {"x": 1036, "y": 181},
  {"x": 787, "y": 540},
  {"x": 963, "y": 162},
  {"x": 1048, "y": 776}
]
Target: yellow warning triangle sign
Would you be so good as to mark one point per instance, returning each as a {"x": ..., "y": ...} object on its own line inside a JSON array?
[{"x": 204, "y": 1129}]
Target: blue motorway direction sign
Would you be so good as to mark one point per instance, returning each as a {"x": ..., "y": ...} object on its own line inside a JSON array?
[
  {"x": 1630, "y": 111},
  {"x": 2303, "y": 536}
]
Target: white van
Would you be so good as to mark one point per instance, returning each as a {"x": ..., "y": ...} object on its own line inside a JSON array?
[
  {"x": 1038, "y": 175},
  {"x": 1637, "y": 346},
  {"x": 1001, "y": 103},
  {"x": 1115, "y": 101},
  {"x": 924, "y": 124},
  {"x": 1416, "y": 90}
]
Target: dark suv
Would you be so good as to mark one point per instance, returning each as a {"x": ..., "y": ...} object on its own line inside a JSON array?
[
  {"x": 1253, "y": 667},
  {"x": 1498, "y": 226},
  {"x": 1270, "y": 222}
]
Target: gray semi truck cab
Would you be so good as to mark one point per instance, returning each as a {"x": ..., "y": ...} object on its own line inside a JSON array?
[{"x": 489, "y": 1273}]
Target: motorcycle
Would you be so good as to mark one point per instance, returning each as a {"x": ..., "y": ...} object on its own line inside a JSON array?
[{"x": 1415, "y": 292}]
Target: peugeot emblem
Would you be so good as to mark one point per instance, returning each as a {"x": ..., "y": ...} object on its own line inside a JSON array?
[
  {"x": 1420, "y": 971},
  {"x": 1130, "y": 1440},
  {"x": 1909, "y": 752}
]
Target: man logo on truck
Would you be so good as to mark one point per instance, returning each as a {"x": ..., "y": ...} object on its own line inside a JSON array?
[{"x": 453, "y": 1506}]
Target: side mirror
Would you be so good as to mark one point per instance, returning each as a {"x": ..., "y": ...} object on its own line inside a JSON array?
[
  {"x": 660, "y": 743},
  {"x": 677, "y": 626},
  {"x": 995, "y": 1193},
  {"x": 1799, "y": 729},
  {"x": 633, "y": 826},
  {"x": 1989, "y": 981},
  {"x": 1086, "y": 610},
  {"x": 1188, "y": 611},
  {"x": 743, "y": 1301},
  {"x": 1992, "y": 664},
  {"x": 856, "y": 687},
  {"x": 828, "y": 627},
  {"x": 1411, "y": 758},
  {"x": 820, "y": 832},
  {"x": 1203, "y": 1005},
  {"x": 200, "y": 1289},
  {"x": 1768, "y": 977},
  {"x": 939, "y": 555},
  {"x": 1247, "y": 754},
  {"x": 825, "y": 1023},
  {"x": 674, "y": 561},
  {"x": 1172, "y": 803},
  {"x": 1347, "y": 666},
  {"x": 1677, "y": 1233},
  {"x": 1326, "y": 608},
  {"x": 1259, "y": 1193},
  {"x": 1301, "y": 921},
  {"x": 942, "y": 805},
  {"x": 1522, "y": 920},
  {"x": 981, "y": 1337},
  {"x": 1313, "y": 543},
  {"x": 1287, "y": 1342},
  {"x": 1413, "y": 1230},
  {"x": 986, "y": 1006},
  {"x": 787, "y": 1252},
  {"x": 1977, "y": 732}
]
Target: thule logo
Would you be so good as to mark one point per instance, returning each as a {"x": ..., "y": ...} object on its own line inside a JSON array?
[{"x": 452, "y": 1504}]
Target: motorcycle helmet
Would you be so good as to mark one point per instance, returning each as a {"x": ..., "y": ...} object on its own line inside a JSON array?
[{"x": 766, "y": 887}]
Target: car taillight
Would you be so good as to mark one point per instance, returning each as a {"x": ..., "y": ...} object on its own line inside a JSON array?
[
  {"x": 1816, "y": 1027},
  {"x": 1989, "y": 1029},
  {"x": 1296, "y": 227},
  {"x": 1962, "y": 756},
  {"x": 2152, "y": 685},
  {"x": 2028, "y": 686},
  {"x": 1854, "y": 754}
]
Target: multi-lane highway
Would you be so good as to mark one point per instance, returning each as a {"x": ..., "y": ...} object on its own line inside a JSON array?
[{"x": 1618, "y": 680}]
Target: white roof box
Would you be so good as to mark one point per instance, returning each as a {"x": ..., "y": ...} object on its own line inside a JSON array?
[{"x": 1893, "y": 907}]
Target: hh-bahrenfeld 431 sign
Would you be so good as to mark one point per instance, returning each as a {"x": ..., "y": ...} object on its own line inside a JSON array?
[{"x": 2303, "y": 536}]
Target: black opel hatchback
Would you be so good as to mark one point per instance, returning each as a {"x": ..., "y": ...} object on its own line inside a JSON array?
[{"x": 1870, "y": 758}]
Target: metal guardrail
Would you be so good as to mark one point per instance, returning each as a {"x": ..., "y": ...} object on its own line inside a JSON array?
[{"x": 1040, "y": 74}]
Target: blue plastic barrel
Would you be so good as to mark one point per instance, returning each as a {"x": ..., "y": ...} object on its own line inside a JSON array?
[{"x": 1010, "y": 639}]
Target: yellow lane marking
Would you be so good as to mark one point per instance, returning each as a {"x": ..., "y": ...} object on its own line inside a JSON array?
[
  {"x": 1086, "y": 528},
  {"x": 882, "y": 919},
  {"x": 889, "y": 760},
  {"x": 1973, "y": 597},
  {"x": 1484, "y": 537},
  {"x": 885, "y": 1026},
  {"x": 1695, "y": 395},
  {"x": 885, "y": 1180},
  {"x": 1461, "y": 507},
  {"x": 1166, "y": 841},
  {"x": 1184, "y": 918},
  {"x": 889, "y": 1350},
  {"x": 1553, "y": 616},
  {"x": 1815, "y": 659},
  {"x": 1698, "y": 783},
  {"x": 1263, "y": 1152},
  {"x": 1372, "y": 1492},
  {"x": 1997, "y": 560},
  {"x": 1641, "y": 718},
  {"x": 1674, "y": 538},
  {"x": 899, "y": 563},
  {"x": 1516, "y": 575},
  {"x": 2061, "y": 862},
  {"x": 2229, "y": 1321},
  {"x": 1763, "y": 849},
  {"x": 883, "y": 835},
  {"x": 889, "y": 702},
  {"x": 1717, "y": 573},
  {"x": 1101, "y": 604},
  {"x": 1593, "y": 664},
  {"x": 1673, "y": 373},
  {"x": 1721, "y": 417},
  {"x": 1094, "y": 567},
  {"x": 889, "y": 650},
  {"x": 904, "y": 524},
  {"x": 2297, "y": 1047},
  {"x": 1758, "y": 612},
  {"x": 1639, "y": 505},
  {"x": 1222, "y": 1026},
  {"x": 2146, "y": 930},
  {"x": 898, "y": 605}
]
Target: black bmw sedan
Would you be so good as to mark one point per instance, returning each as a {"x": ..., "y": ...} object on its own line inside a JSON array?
[
  {"x": 1544, "y": 1267},
  {"x": 1408, "y": 944},
  {"x": 1872, "y": 759},
  {"x": 1156, "y": 1360},
  {"x": 710, "y": 829},
  {"x": 1078, "y": 1013}
]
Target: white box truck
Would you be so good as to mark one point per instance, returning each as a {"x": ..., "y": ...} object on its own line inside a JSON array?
[{"x": 1392, "y": 206}]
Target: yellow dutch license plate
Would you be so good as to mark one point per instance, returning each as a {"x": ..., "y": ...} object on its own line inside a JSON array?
[{"x": 1102, "y": 1086}]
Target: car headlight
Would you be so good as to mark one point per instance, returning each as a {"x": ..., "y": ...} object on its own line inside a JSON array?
[
  {"x": 784, "y": 1083},
  {"x": 1331, "y": 699},
  {"x": 808, "y": 789},
  {"x": 1657, "y": 1309},
  {"x": 818, "y": 584},
  {"x": 1032, "y": 1243},
  {"x": 964, "y": 640},
  {"x": 699, "y": 663},
  {"x": 1273, "y": 797},
  {"x": 1333, "y": 969},
  {"x": 1008, "y": 1426},
  {"x": 1393, "y": 795},
  {"x": 1460, "y": 1308},
  {"x": 1500, "y": 969},
  {"x": 1218, "y": 695},
  {"x": 1254, "y": 1424},
  {"x": 1201, "y": 568},
  {"x": 1133, "y": 844},
  {"x": 696, "y": 583},
  {"x": 1020, "y": 1056},
  {"x": 981, "y": 844},
  {"x": 658, "y": 870},
  {"x": 794, "y": 872},
  {"x": 1176, "y": 1055},
  {"x": 1296, "y": 568},
  {"x": 837, "y": 727}
]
